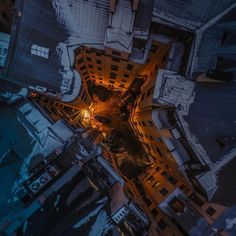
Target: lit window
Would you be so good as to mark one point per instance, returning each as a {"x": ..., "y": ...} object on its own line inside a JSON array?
[{"x": 40, "y": 51}]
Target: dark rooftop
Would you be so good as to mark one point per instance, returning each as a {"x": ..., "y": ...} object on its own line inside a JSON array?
[
  {"x": 213, "y": 115},
  {"x": 38, "y": 25}
]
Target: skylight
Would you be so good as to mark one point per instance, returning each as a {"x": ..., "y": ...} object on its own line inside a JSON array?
[{"x": 40, "y": 51}]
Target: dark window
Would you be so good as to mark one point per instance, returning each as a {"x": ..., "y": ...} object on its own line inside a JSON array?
[
  {"x": 198, "y": 201},
  {"x": 143, "y": 123},
  {"x": 98, "y": 54},
  {"x": 184, "y": 188},
  {"x": 177, "y": 205},
  {"x": 113, "y": 75},
  {"x": 89, "y": 59},
  {"x": 143, "y": 96},
  {"x": 99, "y": 68},
  {"x": 83, "y": 68},
  {"x": 79, "y": 61},
  {"x": 116, "y": 53},
  {"x": 170, "y": 178},
  {"x": 99, "y": 62},
  {"x": 126, "y": 75},
  {"x": 158, "y": 168},
  {"x": 150, "y": 123},
  {"x": 114, "y": 67},
  {"x": 210, "y": 211},
  {"x": 163, "y": 191},
  {"x": 162, "y": 224},
  {"x": 153, "y": 48},
  {"x": 158, "y": 151},
  {"x": 111, "y": 81},
  {"x": 90, "y": 66},
  {"x": 129, "y": 67},
  {"x": 147, "y": 201},
  {"x": 154, "y": 212},
  {"x": 115, "y": 59}
]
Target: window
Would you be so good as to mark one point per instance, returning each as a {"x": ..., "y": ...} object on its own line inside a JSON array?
[
  {"x": 163, "y": 191},
  {"x": 177, "y": 205},
  {"x": 88, "y": 51},
  {"x": 210, "y": 211},
  {"x": 113, "y": 75},
  {"x": 90, "y": 66},
  {"x": 150, "y": 179},
  {"x": 82, "y": 68},
  {"x": 115, "y": 59},
  {"x": 158, "y": 168},
  {"x": 150, "y": 123},
  {"x": 99, "y": 62},
  {"x": 147, "y": 201},
  {"x": 184, "y": 188},
  {"x": 158, "y": 151},
  {"x": 89, "y": 59},
  {"x": 143, "y": 123},
  {"x": 85, "y": 73},
  {"x": 98, "y": 54},
  {"x": 40, "y": 51},
  {"x": 126, "y": 75},
  {"x": 79, "y": 61},
  {"x": 111, "y": 82},
  {"x": 155, "y": 185},
  {"x": 114, "y": 67},
  {"x": 198, "y": 201},
  {"x": 162, "y": 224},
  {"x": 153, "y": 48},
  {"x": 129, "y": 67},
  {"x": 99, "y": 68},
  {"x": 171, "y": 179},
  {"x": 116, "y": 53},
  {"x": 154, "y": 212}
]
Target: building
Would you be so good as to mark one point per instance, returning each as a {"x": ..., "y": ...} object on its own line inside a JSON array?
[
  {"x": 169, "y": 108},
  {"x": 51, "y": 72},
  {"x": 22, "y": 124},
  {"x": 6, "y": 15},
  {"x": 4, "y": 45}
]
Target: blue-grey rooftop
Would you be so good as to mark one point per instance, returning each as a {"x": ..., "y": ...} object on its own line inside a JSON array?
[
  {"x": 37, "y": 25},
  {"x": 212, "y": 116},
  {"x": 200, "y": 11}
]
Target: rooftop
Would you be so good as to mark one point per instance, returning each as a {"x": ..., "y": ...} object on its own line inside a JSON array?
[{"x": 19, "y": 127}]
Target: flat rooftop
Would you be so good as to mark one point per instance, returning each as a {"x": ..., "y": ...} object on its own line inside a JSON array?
[{"x": 213, "y": 115}]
